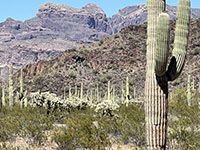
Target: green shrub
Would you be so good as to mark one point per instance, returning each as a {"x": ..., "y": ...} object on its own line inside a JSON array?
[
  {"x": 101, "y": 42},
  {"x": 72, "y": 75},
  {"x": 85, "y": 52},
  {"x": 184, "y": 126},
  {"x": 127, "y": 125},
  {"x": 81, "y": 132},
  {"x": 116, "y": 36},
  {"x": 27, "y": 122},
  {"x": 196, "y": 51},
  {"x": 8, "y": 147},
  {"x": 132, "y": 59},
  {"x": 179, "y": 96},
  {"x": 131, "y": 124}
]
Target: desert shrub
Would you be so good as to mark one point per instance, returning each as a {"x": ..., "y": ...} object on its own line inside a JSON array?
[
  {"x": 184, "y": 120},
  {"x": 184, "y": 126},
  {"x": 82, "y": 131},
  {"x": 131, "y": 124},
  {"x": 72, "y": 75},
  {"x": 196, "y": 51},
  {"x": 88, "y": 129},
  {"x": 100, "y": 42},
  {"x": 30, "y": 122},
  {"x": 127, "y": 125},
  {"x": 132, "y": 59},
  {"x": 116, "y": 36},
  {"x": 106, "y": 107},
  {"x": 4, "y": 146},
  {"x": 179, "y": 96},
  {"x": 85, "y": 52}
]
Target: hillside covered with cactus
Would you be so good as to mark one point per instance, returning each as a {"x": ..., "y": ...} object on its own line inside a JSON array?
[{"x": 112, "y": 58}]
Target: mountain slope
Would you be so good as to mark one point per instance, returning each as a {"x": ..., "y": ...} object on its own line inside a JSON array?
[{"x": 113, "y": 58}]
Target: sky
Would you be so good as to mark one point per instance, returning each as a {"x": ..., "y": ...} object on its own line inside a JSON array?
[{"x": 26, "y": 9}]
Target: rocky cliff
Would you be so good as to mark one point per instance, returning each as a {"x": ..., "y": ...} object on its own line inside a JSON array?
[{"x": 57, "y": 28}]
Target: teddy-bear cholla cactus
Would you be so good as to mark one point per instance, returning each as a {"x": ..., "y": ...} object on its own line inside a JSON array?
[{"x": 156, "y": 85}]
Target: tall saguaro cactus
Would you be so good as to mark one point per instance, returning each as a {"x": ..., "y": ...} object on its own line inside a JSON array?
[
  {"x": 3, "y": 97},
  {"x": 189, "y": 94},
  {"x": 157, "y": 72},
  {"x": 11, "y": 101},
  {"x": 127, "y": 91}
]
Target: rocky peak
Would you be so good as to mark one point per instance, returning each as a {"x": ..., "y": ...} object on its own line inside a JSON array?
[
  {"x": 59, "y": 17},
  {"x": 52, "y": 8},
  {"x": 10, "y": 20},
  {"x": 93, "y": 9},
  {"x": 132, "y": 10}
]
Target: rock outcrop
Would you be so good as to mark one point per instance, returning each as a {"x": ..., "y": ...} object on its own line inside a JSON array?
[{"x": 132, "y": 15}]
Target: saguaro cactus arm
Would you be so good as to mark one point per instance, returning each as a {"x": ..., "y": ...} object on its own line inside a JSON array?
[
  {"x": 181, "y": 40},
  {"x": 162, "y": 49}
]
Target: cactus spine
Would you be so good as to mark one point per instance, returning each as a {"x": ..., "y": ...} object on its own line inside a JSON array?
[
  {"x": 157, "y": 77},
  {"x": 11, "y": 102}
]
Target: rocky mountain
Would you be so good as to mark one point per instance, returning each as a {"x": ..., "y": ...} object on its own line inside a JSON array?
[
  {"x": 132, "y": 15},
  {"x": 112, "y": 58},
  {"x": 57, "y": 28}
]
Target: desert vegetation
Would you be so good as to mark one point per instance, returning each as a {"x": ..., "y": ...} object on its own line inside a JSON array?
[
  {"x": 93, "y": 97},
  {"x": 89, "y": 119}
]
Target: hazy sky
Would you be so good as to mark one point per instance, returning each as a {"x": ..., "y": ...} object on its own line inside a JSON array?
[{"x": 25, "y": 9}]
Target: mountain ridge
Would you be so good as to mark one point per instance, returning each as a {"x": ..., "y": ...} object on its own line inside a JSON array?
[{"x": 54, "y": 30}]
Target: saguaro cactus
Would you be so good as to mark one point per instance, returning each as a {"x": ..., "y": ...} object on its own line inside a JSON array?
[
  {"x": 11, "y": 101},
  {"x": 21, "y": 81},
  {"x": 3, "y": 97},
  {"x": 81, "y": 91},
  {"x": 189, "y": 94},
  {"x": 127, "y": 91},
  {"x": 157, "y": 77},
  {"x": 108, "y": 92}
]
